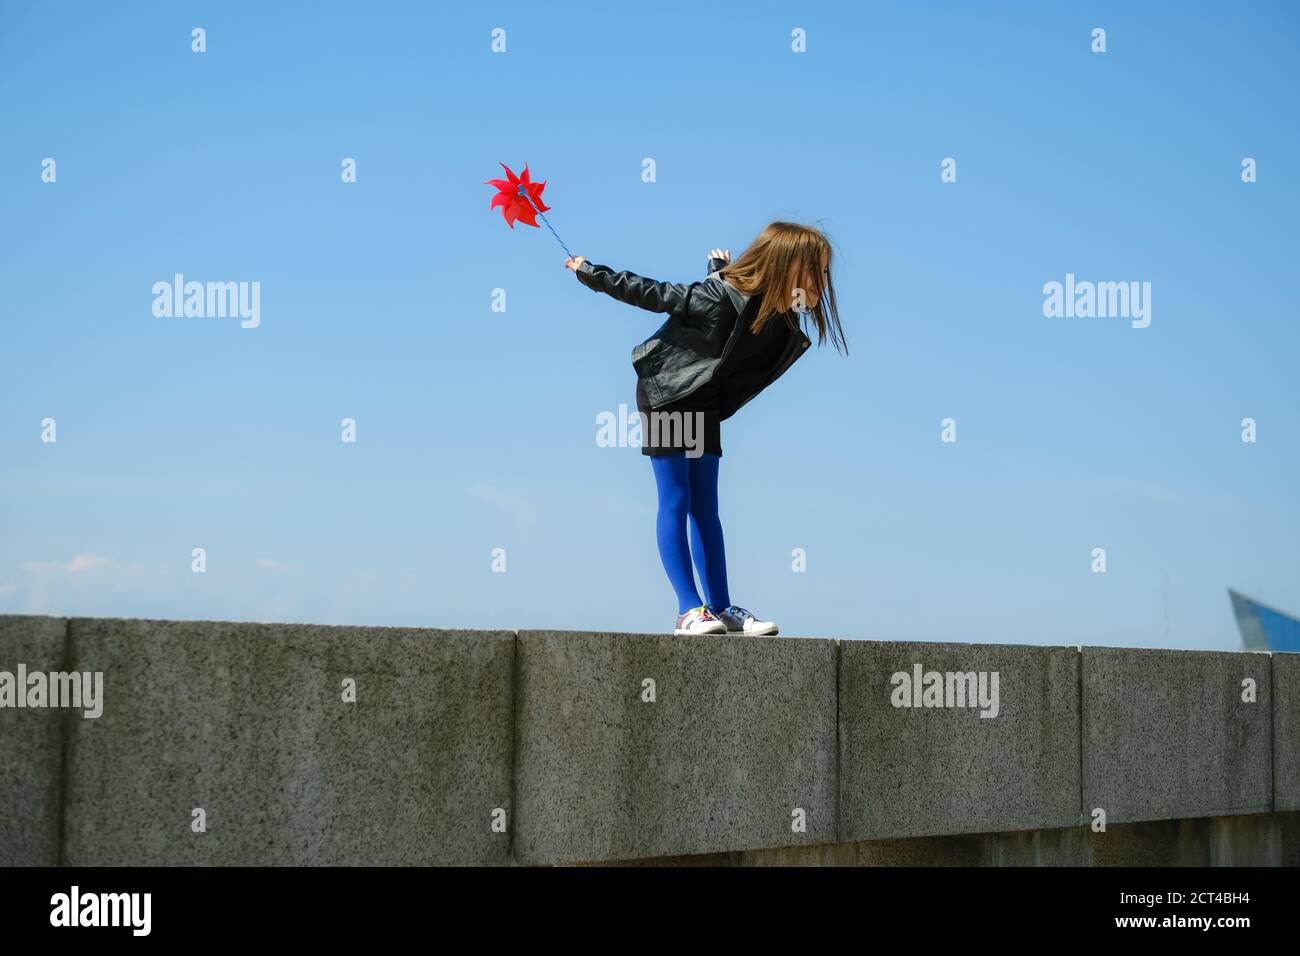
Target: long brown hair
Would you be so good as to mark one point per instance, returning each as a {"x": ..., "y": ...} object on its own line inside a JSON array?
[{"x": 782, "y": 250}]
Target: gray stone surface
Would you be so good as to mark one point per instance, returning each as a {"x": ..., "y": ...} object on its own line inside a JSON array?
[
  {"x": 1166, "y": 734},
  {"x": 31, "y": 747},
  {"x": 741, "y": 734},
  {"x": 247, "y": 722},
  {"x": 926, "y": 771},
  {"x": 1286, "y": 731}
]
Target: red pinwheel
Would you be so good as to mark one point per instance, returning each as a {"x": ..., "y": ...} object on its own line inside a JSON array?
[{"x": 519, "y": 197}]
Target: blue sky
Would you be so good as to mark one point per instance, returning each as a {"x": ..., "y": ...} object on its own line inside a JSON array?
[{"x": 477, "y": 429}]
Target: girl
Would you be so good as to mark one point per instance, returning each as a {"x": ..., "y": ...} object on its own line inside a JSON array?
[{"x": 726, "y": 339}]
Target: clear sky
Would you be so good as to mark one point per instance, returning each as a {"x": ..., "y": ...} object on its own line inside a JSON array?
[{"x": 477, "y": 429}]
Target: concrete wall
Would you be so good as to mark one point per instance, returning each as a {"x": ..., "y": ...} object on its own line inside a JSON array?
[
  {"x": 1286, "y": 731},
  {"x": 247, "y": 725},
  {"x": 545, "y": 747},
  {"x": 1169, "y": 734},
  {"x": 31, "y": 747},
  {"x": 910, "y": 771},
  {"x": 654, "y": 745}
]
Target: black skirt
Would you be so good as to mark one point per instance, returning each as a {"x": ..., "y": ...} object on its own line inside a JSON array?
[{"x": 693, "y": 422}]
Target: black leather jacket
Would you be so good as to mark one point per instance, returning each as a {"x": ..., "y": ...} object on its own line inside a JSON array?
[{"x": 704, "y": 320}]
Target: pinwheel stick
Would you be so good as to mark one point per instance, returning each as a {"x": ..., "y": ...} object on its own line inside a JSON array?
[{"x": 524, "y": 192}]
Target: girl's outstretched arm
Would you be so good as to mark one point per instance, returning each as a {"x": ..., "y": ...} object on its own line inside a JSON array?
[{"x": 644, "y": 293}]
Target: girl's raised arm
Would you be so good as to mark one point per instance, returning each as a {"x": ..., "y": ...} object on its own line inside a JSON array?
[{"x": 673, "y": 297}]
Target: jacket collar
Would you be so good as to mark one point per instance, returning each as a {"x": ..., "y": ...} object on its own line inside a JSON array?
[{"x": 738, "y": 298}]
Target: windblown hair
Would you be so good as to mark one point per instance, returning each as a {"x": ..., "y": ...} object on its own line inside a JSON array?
[{"x": 782, "y": 253}]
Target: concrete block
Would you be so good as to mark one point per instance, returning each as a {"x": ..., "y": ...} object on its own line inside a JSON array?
[
  {"x": 913, "y": 771},
  {"x": 31, "y": 746},
  {"x": 247, "y": 722},
  {"x": 1286, "y": 732},
  {"x": 738, "y": 745},
  {"x": 1167, "y": 735}
]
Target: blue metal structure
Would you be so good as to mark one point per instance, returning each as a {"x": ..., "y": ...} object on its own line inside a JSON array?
[{"x": 1264, "y": 628}]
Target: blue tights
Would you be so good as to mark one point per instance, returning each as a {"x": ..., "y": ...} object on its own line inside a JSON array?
[{"x": 689, "y": 487}]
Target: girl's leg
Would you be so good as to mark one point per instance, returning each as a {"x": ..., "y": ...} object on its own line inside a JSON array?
[
  {"x": 673, "y": 480},
  {"x": 706, "y": 530}
]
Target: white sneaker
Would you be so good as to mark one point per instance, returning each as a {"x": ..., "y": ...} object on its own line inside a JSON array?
[
  {"x": 740, "y": 621},
  {"x": 698, "y": 620}
]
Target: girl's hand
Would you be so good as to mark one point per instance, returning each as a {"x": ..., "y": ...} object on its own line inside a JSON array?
[
  {"x": 724, "y": 255},
  {"x": 574, "y": 262}
]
